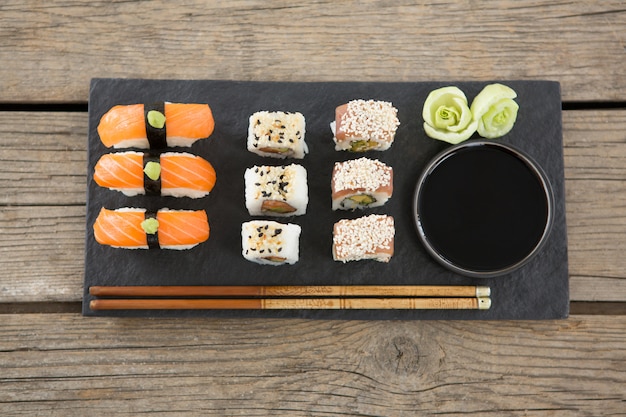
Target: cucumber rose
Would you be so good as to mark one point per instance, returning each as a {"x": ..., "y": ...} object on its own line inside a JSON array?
[
  {"x": 447, "y": 115},
  {"x": 494, "y": 110}
]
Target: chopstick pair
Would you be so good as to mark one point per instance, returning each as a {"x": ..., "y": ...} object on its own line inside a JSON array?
[{"x": 290, "y": 297}]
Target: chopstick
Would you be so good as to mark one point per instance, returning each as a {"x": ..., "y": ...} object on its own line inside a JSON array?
[
  {"x": 475, "y": 303},
  {"x": 292, "y": 291}
]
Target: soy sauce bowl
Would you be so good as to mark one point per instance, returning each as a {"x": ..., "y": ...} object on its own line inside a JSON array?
[{"x": 483, "y": 208}]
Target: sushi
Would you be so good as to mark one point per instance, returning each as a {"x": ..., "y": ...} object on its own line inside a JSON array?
[
  {"x": 277, "y": 134},
  {"x": 276, "y": 190},
  {"x": 168, "y": 174},
  {"x": 135, "y": 228},
  {"x": 363, "y": 125},
  {"x": 360, "y": 183},
  {"x": 369, "y": 237},
  {"x": 155, "y": 126},
  {"x": 269, "y": 242}
]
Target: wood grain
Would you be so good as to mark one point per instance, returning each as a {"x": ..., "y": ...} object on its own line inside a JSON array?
[
  {"x": 56, "y": 46},
  {"x": 65, "y": 365},
  {"x": 43, "y": 158}
]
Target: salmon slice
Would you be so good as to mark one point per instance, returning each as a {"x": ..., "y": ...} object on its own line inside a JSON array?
[
  {"x": 182, "y": 228},
  {"x": 186, "y": 122},
  {"x": 121, "y": 228},
  {"x": 182, "y": 174},
  {"x": 121, "y": 171},
  {"x": 177, "y": 229},
  {"x": 124, "y": 126}
]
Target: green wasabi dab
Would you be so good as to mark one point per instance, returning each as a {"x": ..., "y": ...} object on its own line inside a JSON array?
[
  {"x": 150, "y": 226},
  {"x": 156, "y": 119},
  {"x": 153, "y": 170}
]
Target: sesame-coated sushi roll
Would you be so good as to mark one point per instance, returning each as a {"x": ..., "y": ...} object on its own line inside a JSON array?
[
  {"x": 361, "y": 183},
  {"x": 276, "y": 190},
  {"x": 270, "y": 243},
  {"x": 363, "y": 125},
  {"x": 277, "y": 134},
  {"x": 369, "y": 237}
]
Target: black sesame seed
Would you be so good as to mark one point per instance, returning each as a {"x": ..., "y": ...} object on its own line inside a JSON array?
[
  {"x": 280, "y": 249},
  {"x": 262, "y": 250}
]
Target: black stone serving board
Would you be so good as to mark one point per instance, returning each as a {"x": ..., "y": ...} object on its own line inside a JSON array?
[{"x": 539, "y": 290}]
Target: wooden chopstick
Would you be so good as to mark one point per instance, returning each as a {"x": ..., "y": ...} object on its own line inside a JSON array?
[
  {"x": 292, "y": 291},
  {"x": 480, "y": 303}
]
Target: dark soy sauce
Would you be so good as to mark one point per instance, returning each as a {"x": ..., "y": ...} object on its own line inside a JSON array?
[{"x": 483, "y": 209}]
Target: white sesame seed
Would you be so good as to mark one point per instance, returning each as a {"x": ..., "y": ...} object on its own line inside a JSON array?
[
  {"x": 362, "y": 173},
  {"x": 370, "y": 119},
  {"x": 363, "y": 237}
]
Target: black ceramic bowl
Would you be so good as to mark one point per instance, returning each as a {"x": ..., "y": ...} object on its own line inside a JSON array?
[{"x": 483, "y": 208}]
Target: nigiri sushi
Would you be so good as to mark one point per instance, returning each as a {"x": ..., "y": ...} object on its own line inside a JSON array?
[
  {"x": 364, "y": 125},
  {"x": 177, "y": 174},
  {"x": 155, "y": 126},
  {"x": 135, "y": 228}
]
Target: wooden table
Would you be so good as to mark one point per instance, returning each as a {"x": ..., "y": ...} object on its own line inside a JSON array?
[{"x": 54, "y": 362}]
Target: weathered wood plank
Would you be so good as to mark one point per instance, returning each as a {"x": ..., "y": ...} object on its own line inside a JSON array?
[
  {"x": 595, "y": 183},
  {"x": 42, "y": 250},
  {"x": 43, "y": 158},
  {"x": 51, "y": 49},
  {"x": 66, "y": 365},
  {"x": 43, "y": 165}
]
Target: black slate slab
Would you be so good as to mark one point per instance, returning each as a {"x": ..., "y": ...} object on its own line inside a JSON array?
[{"x": 537, "y": 291}]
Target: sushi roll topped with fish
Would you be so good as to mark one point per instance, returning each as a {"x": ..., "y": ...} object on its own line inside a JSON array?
[
  {"x": 364, "y": 125},
  {"x": 361, "y": 183}
]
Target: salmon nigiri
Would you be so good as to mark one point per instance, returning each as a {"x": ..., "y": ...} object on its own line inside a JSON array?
[
  {"x": 167, "y": 124},
  {"x": 134, "y": 228},
  {"x": 169, "y": 174}
]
